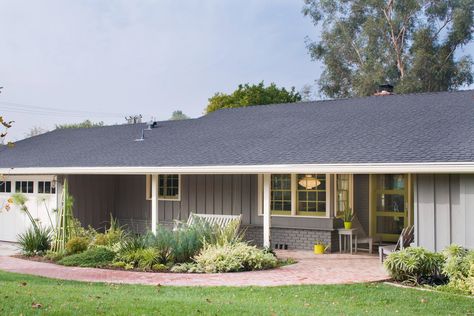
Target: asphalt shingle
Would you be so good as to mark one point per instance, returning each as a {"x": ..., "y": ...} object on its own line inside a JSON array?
[{"x": 430, "y": 127}]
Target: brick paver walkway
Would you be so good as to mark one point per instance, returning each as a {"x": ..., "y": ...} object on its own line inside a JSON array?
[{"x": 310, "y": 269}]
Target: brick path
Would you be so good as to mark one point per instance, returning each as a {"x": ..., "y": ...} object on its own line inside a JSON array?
[{"x": 310, "y": 269}]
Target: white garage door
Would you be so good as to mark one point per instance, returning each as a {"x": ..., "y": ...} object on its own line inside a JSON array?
[{"x": 41, "y": 199}]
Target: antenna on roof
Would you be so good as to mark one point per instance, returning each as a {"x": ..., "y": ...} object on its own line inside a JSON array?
[{"x": 142, "y": 138}]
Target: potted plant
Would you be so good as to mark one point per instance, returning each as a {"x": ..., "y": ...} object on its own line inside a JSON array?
[
  {"x": 320, "y": 247},
  {"x": 347, "y": 216}
]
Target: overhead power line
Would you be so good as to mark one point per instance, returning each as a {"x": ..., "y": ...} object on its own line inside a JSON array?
[{"x": 13, "y": 107}]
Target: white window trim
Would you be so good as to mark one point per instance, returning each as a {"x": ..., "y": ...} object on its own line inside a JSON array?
[
  {"x": 161, "y": 198},
  {"x": 294, "y": 198}
]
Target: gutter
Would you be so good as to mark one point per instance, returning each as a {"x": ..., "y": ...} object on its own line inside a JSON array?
[{"x": 374, "y": 168}]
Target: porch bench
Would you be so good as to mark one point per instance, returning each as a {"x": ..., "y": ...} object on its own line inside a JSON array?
[{"x": 211, "y": 219}]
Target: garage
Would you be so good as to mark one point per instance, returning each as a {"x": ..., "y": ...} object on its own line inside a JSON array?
[{"x": 42, "y": 199}]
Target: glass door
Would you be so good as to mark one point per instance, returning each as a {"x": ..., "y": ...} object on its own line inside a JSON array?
[{"x": 390, "y": 205}]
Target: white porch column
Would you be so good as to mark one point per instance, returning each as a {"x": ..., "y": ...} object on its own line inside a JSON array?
[
  {"x": 154, "y": 202},
  {"x": 266, "y": 210}
]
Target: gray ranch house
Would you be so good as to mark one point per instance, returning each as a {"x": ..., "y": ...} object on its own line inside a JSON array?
[{"x": 288, "y": 169}]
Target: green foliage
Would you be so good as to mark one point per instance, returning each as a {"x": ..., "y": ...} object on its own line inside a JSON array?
[
  {"x": 233, "y": 257},
  {"x": 54, "y": 256},
  {"x": 159, "y": 267},
  {"x": 412, "y": 44},
  {"x": 346, "y": 215},
  {"x": 178, "y": 115},
  {"x": 459, "y": 268},
  {"x": 5, "y": 126},
  {"x": 186, "y": 267},
  {"x": 93, "y": 257},
  {"x": 61, "y": 297},
  {"x": 84, "y": 124},
  {"x": 112, "y": 236},
  {"x": 66, "y": 225},
  {"x": 255, "y": 94},
  {"x": 35, "y": 241},
  {"x": 76, "y": 245},
  {"x": 410, "y": 264}
]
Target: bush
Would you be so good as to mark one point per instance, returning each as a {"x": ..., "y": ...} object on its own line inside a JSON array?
[
  {"x": 233, "y": 257},
  {"x": 459, "y": 268},
  {"x": 76, "y": 245},
  {"x": 94, "y": 257},
  {"x": 411, "y": 264},
  {"x": 187, "y": 267},
  {"x": 35, "y": 241},
  {"x": 158, "y": 267}
]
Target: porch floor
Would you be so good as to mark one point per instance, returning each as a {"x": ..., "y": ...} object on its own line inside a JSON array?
[{"x": 310, "y": 269}]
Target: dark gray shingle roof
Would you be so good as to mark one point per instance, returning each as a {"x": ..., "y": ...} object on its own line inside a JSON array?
[{"x": 431, "y": 127}]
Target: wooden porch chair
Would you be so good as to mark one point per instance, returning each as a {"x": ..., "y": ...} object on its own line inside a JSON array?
[
  {"x": 407, "y": 236},
  {"x": 212, "y": 219},
  {"x": 362, "y": 236}
]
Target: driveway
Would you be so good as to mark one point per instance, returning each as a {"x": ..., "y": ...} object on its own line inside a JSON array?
[
  {"x": 310, "y": 269},
  {"x": 8, "y": 248}
]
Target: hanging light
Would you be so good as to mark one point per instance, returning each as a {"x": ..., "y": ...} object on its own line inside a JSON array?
[{"x": 309, "y": 182}]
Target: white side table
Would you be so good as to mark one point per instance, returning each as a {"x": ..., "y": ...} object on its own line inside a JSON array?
[{"x": 348, "y": 234}]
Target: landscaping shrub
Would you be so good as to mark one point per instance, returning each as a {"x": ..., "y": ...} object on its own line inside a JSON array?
[
  {"x": 35, "y": 240},
  {"x": 233, "y": 257},
  {"x": 76, "y": 245},
  {"x": 459, "y": 268},
  {"x": 112, "y": 235},
  {"x": 411, "y": 264},
  {"x": 93, "y": 257},
  {"x": 186, "y": 267}
]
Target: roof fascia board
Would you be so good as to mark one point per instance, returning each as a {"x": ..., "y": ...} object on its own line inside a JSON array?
[{"x": 460, "y": 167}]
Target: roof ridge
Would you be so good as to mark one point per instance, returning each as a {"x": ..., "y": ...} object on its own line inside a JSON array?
[{"x": 242, "y": 108}]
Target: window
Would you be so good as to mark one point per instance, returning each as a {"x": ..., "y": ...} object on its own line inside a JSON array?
[
  {"x": 168, "y": 187},
  {"x": 343, "y": 192},
  {"x": 280, "y": 202},
  {"x": 46, "y": 187},
  {"x": 311, "y": 194},
  {"x": 5, "y": 186},
  {"x": 24, "y": 186}
]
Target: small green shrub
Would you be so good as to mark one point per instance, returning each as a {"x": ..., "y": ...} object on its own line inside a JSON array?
[
  {"x": 94, "y": 257},
  {"x": 459, "y": 268},
  {"x": 233, "y": 257},
  {"x": 35, "y": 240},
  {"x": 410, "y": 264},
  {"x": 76, "y": 245},
  {"x": 186, "y": 267},
  {"x": 119, "y": 264},
  {"x": 159, "y": 267},
  {"x": 54, "y": 256}
]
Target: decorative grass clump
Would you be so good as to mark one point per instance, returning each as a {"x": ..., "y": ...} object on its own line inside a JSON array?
[
  {"x": 95, "y": 257},
  {"x": 35, "y": 240}
]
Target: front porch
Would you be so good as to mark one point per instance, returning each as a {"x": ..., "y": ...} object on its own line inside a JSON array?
[{"x": 274, "y": 213}]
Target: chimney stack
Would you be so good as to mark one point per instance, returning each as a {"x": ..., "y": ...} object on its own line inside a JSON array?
[{"x": 384, "y": 89}]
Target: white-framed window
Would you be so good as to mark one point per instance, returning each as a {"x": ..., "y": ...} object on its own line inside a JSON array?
[
  {"x": 46, "y": 187},
  {"x": 300, "y": 195},
  {"x": 343, "y": 188},
  {"x": 169, "y": 187},
  {"x": 24, "y": 186},
  {"x": 5, "y": 186}
]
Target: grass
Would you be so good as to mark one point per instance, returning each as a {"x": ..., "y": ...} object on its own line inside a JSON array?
[{"x": 22, "y": 294}]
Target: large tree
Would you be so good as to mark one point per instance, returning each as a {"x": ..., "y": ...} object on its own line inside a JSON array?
[
  {"x": 255, "y": 94},
  {"x": 411, "y": 44}
]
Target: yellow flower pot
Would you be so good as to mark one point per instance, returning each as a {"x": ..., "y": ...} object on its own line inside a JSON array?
[
  {"x": 320, "y": 249},
  {"x": 347, "y": 225}
]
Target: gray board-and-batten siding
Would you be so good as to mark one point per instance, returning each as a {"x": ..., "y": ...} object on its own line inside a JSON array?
[{"x": 444, "y": 210}]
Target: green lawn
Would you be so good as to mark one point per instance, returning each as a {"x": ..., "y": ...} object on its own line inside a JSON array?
[{"x": 20, "y": 294}]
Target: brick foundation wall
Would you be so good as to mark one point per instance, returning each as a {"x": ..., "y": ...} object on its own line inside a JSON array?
[{"x": 294, "y": 238}]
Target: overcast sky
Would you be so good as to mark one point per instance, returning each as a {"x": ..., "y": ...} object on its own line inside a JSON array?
[
  {"x": 115, "y": 58},
  {"x": 143, "y": 57}
]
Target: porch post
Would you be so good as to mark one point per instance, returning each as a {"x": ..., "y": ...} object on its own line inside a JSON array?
[
  {"x": 154, "y": 202},
  {"x": 266, "y": 210}
]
